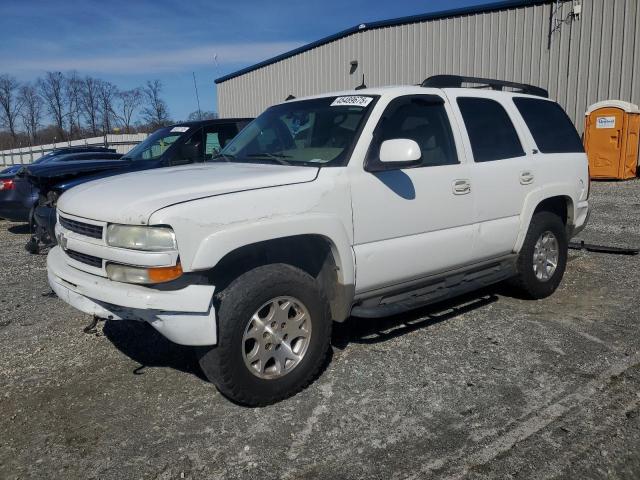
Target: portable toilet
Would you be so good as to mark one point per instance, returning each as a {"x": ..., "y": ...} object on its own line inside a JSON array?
[{"x": 611, "y": 135}]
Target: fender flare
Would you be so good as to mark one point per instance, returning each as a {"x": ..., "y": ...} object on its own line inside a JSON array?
[
  {"x": 222, "y": 242},
  {"x": 538, "y": 196}
]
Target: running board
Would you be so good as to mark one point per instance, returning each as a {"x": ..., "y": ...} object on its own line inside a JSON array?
[
  {"x": 436, "y": 290},
  {"x": 580, "y": 245}
]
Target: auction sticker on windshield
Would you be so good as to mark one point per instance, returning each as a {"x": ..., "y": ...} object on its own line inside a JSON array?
[
  {"x": 352, "y": 100},
  {"x": 179, "y": 129}
]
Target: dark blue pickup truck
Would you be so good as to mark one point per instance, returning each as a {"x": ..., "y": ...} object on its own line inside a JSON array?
[{"x": 179, "y": 144}]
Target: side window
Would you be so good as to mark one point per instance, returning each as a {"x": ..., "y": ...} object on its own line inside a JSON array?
[
  {"x": 212, "y": 144},
  {"x": 550, "y": 126},
  {"x": 216, "y": 137},
  {"x": 421, "y": 118},
  {"x": 491, "y": 132}
]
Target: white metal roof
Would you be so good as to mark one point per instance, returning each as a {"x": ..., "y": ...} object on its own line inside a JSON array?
[{"x": 622, "y": 105}]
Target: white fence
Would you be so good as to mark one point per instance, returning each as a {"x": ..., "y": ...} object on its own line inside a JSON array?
[{"x": 121, "y": 143}]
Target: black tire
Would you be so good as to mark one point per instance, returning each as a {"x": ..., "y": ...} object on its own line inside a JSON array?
[
  {"x": 525, "y": 280},
  {"x": 224, "y": 363}
]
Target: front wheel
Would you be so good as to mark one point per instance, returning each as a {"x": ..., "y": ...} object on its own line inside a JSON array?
[
  {"x": 543, "y": 257},
  {"x": 274, "y": 330}
]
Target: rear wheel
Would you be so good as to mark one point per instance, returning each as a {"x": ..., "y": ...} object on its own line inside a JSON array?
[
  {"x": 543, "y": 258},
  {"x": 274, "y": 329}
]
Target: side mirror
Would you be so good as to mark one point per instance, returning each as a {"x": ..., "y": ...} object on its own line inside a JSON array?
[
  {"x": 396, "y": 154},
  {"x": 400, "y": 152}
]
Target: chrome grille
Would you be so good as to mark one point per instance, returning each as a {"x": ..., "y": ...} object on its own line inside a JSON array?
[
  {"x": 86, "y": 229},
  {"x": 84, "y": 258}
]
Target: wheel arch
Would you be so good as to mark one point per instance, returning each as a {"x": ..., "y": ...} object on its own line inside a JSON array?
[
  {"x": 319, "y": 254},
  {"x": 556, "y": 201}
]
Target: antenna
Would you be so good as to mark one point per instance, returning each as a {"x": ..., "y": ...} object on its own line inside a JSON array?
[
  {"x": 195, "y": 86},
  {"x": 362, "y": 85}
]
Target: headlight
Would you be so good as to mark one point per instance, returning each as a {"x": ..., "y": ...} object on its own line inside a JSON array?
[{"x": 152, "y": 239}]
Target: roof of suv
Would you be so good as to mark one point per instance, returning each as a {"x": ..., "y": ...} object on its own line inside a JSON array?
[{"x": 397, "y": 90}]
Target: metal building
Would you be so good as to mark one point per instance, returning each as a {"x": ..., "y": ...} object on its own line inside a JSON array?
[{"x": 582, "y": 51}]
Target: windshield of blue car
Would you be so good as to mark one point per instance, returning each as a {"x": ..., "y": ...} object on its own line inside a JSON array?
[
  {"x": 316, "y": 132},
  {"x": 45, "y": 158},
  {"x": 156, "y": 144}
]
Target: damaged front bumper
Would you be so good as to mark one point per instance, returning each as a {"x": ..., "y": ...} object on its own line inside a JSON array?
[{"x": 185, "y": 316}]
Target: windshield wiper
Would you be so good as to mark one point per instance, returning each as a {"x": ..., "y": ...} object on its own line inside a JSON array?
[
  {"x": 277, "y": 157},
  {"x": 227, "y": 157}
]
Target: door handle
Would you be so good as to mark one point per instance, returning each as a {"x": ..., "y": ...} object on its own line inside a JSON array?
[
  {"x": 526, "y": 178},
  {"x": 461, "y": 187}
]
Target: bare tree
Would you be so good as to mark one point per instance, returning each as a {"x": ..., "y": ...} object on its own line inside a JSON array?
[
  {"x": 52, "y": 88},
  {"x": 90, "y": 102},
  {"x": 10, "y": 104},
  {"x": 106, "y": 96},
  {"x": 31, "y": 113},
  {"x": 129, "y": 102},
  {"x": 72, "y": 97},
  {"x": 155, "y": 111}
]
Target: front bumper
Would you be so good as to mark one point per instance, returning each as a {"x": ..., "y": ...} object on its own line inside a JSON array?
[
  {"x": 184, "y": 316},
  {"x": 14, "y": 211}
]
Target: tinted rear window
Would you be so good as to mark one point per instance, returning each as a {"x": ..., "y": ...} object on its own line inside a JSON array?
[
  {"x": 550, "y": 126},
  {"x": 491, "y": 133}
]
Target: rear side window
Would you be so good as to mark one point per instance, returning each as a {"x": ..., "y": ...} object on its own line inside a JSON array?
[
  {"x": 491, "y": 132},
  {"x": 550, "y": 126}
]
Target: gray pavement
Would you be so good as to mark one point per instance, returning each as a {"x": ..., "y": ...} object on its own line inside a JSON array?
[{"x": 488, "y": 386}]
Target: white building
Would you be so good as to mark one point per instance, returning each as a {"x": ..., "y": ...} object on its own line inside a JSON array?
[{"x": 582, "y": 51}]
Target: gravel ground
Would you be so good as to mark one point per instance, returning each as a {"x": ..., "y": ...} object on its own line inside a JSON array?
[{"x": 489, "y": 386}]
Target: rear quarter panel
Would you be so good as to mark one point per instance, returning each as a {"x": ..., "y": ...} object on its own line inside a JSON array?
[{"x": 556, "y": 175}]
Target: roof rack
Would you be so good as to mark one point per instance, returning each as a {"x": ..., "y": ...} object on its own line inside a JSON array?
[{"x": 456, "y": 81}]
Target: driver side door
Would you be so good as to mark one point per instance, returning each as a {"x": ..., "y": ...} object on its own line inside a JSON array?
[{"x": 410, "y": 223}]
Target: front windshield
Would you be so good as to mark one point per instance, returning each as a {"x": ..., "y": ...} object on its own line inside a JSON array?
[
  {"x": 156, "y": 144},
  {"x": 313, "y": 132}
]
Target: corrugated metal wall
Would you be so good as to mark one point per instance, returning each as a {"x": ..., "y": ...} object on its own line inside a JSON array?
[{"x": 587, "y": 60}]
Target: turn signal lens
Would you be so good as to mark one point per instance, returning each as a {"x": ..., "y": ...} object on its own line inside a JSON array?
[
  {"x": 7, "y": 185},
  {"x": 127, "y": 274},
  {"x": 164, "y": 274}
]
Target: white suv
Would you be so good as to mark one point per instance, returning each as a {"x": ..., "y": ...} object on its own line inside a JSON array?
[{"x": 366, "y": 203}]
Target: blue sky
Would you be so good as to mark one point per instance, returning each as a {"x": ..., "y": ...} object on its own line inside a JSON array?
[{"x": 128, "y": 42}]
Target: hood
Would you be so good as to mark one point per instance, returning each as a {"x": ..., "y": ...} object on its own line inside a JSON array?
[
  {"x": 44, "y": 174},
  {"x": 132, "y": 198}
]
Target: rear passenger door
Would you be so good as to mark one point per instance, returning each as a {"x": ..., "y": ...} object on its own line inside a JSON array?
[{"x": 501, "y": 175}]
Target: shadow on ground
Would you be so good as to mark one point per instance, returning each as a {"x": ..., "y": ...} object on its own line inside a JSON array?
[
  {"x": 143, "y": 344},
  {"x": 377, "y": 330},
  {"x": 20, "y": 229}
]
